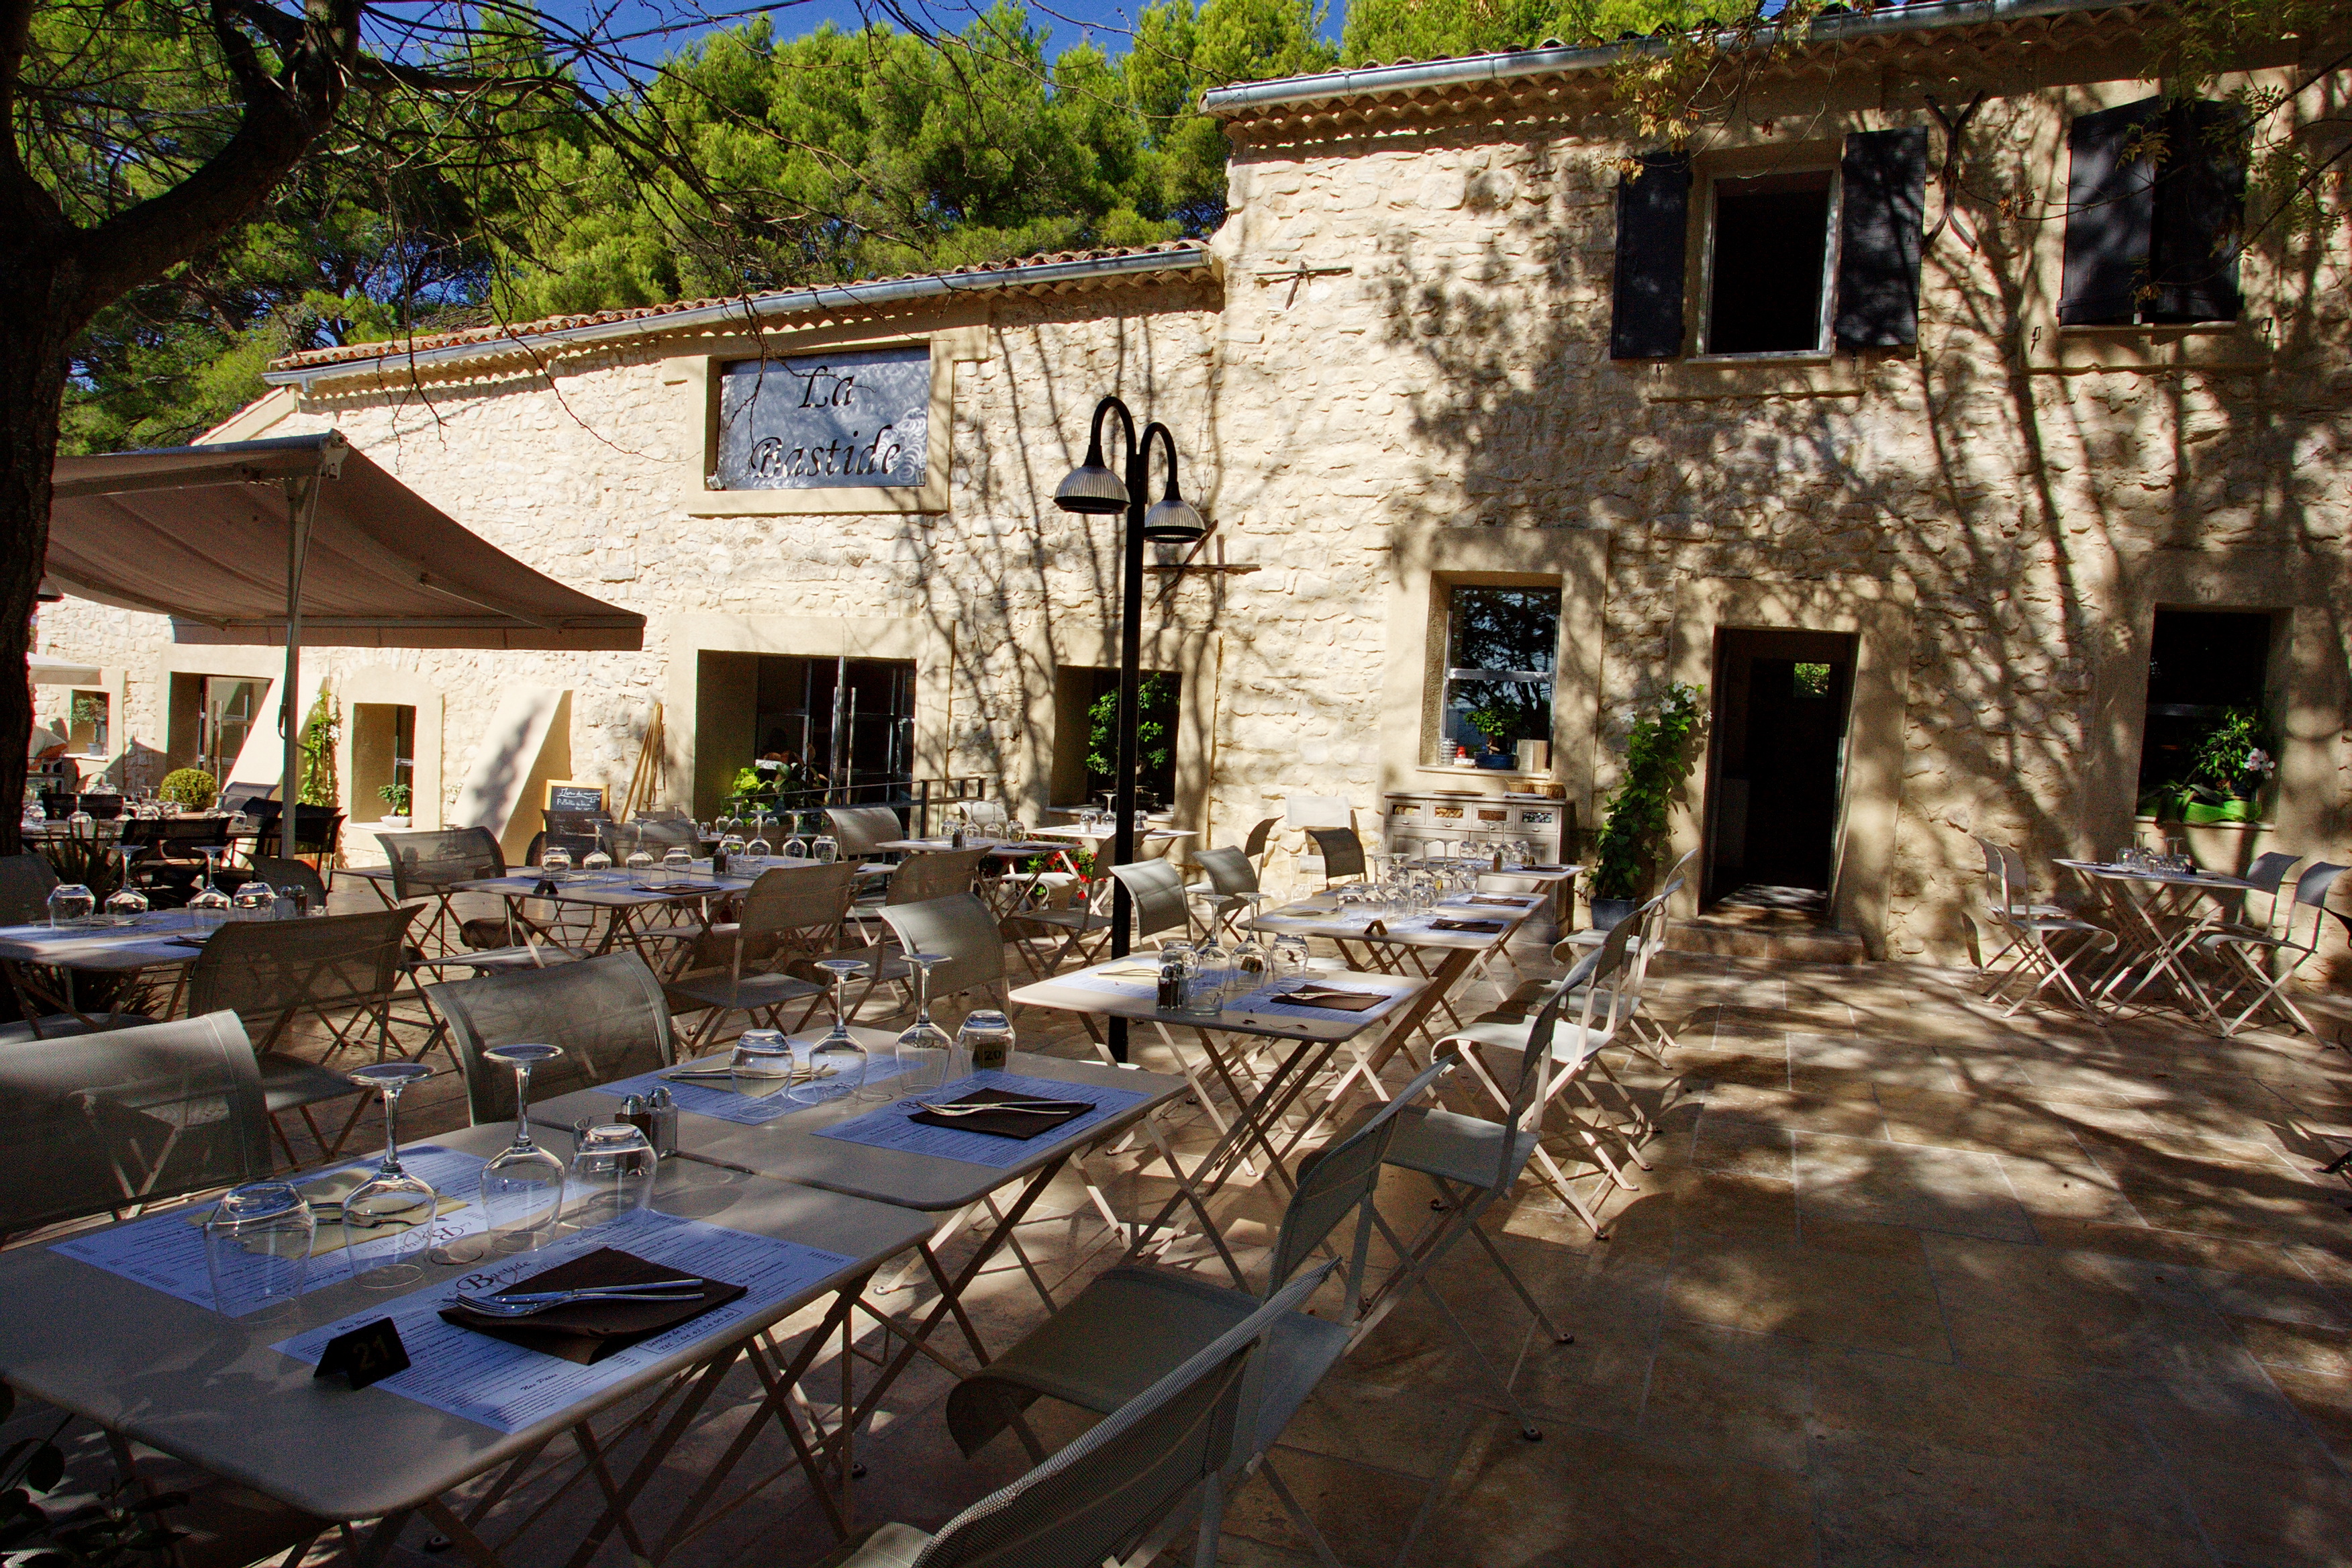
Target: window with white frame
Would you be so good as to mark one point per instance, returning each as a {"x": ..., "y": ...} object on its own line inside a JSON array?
[
  {"x": 1501, "y": 644},
  {"x": 1771, "y": 256}
]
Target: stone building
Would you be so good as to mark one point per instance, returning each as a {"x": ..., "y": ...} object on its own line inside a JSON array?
[{"x": 1924, "y": 415}]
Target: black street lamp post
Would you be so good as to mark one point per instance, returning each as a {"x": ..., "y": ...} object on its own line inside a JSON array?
[{"x": 1093, "y": 489}]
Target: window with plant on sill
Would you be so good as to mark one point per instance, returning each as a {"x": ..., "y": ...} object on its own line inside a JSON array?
[{"x": 1501, "y": 644}]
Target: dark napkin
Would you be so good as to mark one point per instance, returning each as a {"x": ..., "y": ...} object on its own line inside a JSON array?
[
  {"x": 1483, "y": 928},
  {"x": 1324, "y": 996},
  {"x": 585, "y": 1333},
  {"x": 1021, "y": 1124}
]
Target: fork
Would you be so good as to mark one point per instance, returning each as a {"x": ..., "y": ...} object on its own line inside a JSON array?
[
  {"x": 1006, "y": 1105},
  {"x": 495, "y": 1308}
]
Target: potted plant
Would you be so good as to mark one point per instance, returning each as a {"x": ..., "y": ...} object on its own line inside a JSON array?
[
  {"x": 1655, "y": 762},
  {"x": 2226, "y": 777},
  {"x": 191, "y": 789},
  {"x": 396, "y": 797}
]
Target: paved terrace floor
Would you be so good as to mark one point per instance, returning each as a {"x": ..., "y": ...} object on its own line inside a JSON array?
[{"x": 1905, "y": 1283}]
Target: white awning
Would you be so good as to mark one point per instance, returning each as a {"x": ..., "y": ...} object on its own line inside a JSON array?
[{"x": 203, "y": 535}]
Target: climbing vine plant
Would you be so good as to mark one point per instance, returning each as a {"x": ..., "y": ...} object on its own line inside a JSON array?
[{"x": 1657, "y": 757}]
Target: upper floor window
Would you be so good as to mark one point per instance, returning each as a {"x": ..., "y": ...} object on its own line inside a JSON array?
[
  {"x": 1500, "y": 647},
  {"x": 2156, "y": 196},
  {"x": 1796, "y": 261}
]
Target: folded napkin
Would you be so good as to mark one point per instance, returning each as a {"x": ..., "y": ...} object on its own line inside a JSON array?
[
  {"x": 1544, "y": 868},
  {"x": 1485, "y": 928},
  {"x": 1021, "y": 1124},
  {"x": 585, "y": 1333},
  {"x": 1328, "y": 996},
  {"x": 1129, "y": 972},
  {"x": 1491, "y": 899}
]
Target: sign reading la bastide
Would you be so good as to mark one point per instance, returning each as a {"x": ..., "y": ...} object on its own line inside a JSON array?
[{"x": 827, "y": 421}]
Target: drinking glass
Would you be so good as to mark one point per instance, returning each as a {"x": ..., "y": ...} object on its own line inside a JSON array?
[
  {"x": 826, "y": 850},
  {"x": 71, "y": 904},
  {"x": 986, "y": 1039},
  {"x": 256, "y": 900},
  {"x": 1016, "y": 831},
  {"x": 731, "y": 845},
  {"x": 555, "y": 865},
  {"x": 755, "y": 857},
  {"x": 36, "y": 813},
  {"x": 1252, "y": 967},
  {"x": 677, "y": 863},
  {"x": 522, "y": 1186},
  {"x": 837, "y": 1062},
  {"x": 763, "y": 824},
  {"x": 1289, "y": 957},
  {"x": 257, "y": 1250},
  {"x": 643, "y": 872},
  {"x": 763, "y": 1063},
  {"x": 388, "y": 1218},
  {"x": 81, "y": 825},
  {"x": 612, "y": 1178},
  {"x": 924, "y": 1046},
  {"x": 597, "y": 862}
]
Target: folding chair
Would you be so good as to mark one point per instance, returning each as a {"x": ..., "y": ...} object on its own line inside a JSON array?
[
  {"x": 608, "y": 1014},
  {"x": 1132, "y": 1322},
  {"x": 339, "y": 971},
  {"x": 104, "y": 1122},
  {"x": 1167, "y": 1456},
  {"x": 2237, "y": 948},
  {"x": 1228, "y": 885},
  {"x": 792, "y": 913},
  {"x": 428, "y": 865},
  {"x": 2010, "y": 910},
  {"x": 861, "y": 831},
  {"x": 1341, "y": 851}
]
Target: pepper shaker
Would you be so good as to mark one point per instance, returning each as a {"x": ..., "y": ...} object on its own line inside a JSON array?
[{"x": 664, "y": 1107}]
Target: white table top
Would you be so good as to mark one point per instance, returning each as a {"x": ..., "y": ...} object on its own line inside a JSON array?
[
  {"x": 1318, "y": 917},
  {"x": 787, "y": 1146},
  {"x": 209, "y": 1390},
  {"x": 2215, "y": 880},
  {"x": 1070, "y": 993},
  {"x": 146, "y": 945},
  {"x": 1005, "y": 848},
  {"x": 1105, "y": 835}
]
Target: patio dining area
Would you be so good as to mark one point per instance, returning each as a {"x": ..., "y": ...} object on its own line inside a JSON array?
[{"x": 1888, "y": 1276}]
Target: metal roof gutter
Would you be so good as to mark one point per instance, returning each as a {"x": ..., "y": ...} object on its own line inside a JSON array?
[
  {"x": 1290, "y": 91},
  {"x": 749, "y": 312}
]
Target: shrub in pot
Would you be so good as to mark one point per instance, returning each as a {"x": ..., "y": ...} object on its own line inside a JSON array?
[{"x": 1635, "y": 825}]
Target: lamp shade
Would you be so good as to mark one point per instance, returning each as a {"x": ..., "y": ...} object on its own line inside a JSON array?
[
  {"x": 1091, "y": 487},
  {"x": 1173, "y": 521}
]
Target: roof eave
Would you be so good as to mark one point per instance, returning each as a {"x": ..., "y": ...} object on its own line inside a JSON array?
[{"x": 745, "y": 313}]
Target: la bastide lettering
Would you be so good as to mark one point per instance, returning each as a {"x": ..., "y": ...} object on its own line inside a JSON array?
[{"x": 826, "y": 421}]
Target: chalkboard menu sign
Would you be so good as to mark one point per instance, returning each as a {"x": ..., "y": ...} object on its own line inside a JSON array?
[
  {"x": 563, "y": 794},
  {"x": 859, "y": 418}
]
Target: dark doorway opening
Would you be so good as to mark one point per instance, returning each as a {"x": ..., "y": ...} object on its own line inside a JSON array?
[
  {"x": 842, "y": 728},
  {"x": 1085, "y": 736},
  {"x": 1781, "y": 701},
  {"x": 2202, "y": 666}
]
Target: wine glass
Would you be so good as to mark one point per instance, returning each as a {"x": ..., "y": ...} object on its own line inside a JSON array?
[
  {"x": 795, "y": 849},
  {"x": 258, "y": 1246},
  {"x": 522, "y": 1186},
  {"x": 924, "y": 1046},
  {"x": 763, "y": 1063},
  {"x": 388, "y": 1218},
  {"x": 597, "y": 862},
  {"x": 837, "y": 1062},
  {"x": 732, "y": 846},
  {"x": 126, "y": 903},
  {"x": 81, "y": 825},
  {"x": 71, "y": 904},
  {"x": 256, "y": 900},
  {"x": 36, "y": 813},
  {"x": 755, "y": 857}
]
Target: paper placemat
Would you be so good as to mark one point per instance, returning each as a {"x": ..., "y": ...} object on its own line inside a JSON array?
[
  {"x": 722, "y": 1102},
  {"x": 165, "y": 1252},
  {"x": 507, "y": 1388},
  {"x": 889, "y": 1127}
]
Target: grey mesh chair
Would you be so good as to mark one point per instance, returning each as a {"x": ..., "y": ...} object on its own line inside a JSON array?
[
  {"x": 863, "y": 829},
  {"x": 1342, "y": 852},
  {"x": 655, "y": 835},
  {"x": 282, "y": 874},
  {"x": 25, "y": 882},
  {"x": 1124, "y": 1489},
  {"x": 1157, "y": 890},
  {"x": 1131, "y": 1323},
  {"x": 965, "y": 932},
  {"x": 2047, "y": 945},
  {"x": 791, "y": 914},
  {"x": 934, "y": 874},
  {"x": 428, "y": 865},
  {"x": 1260, "y": 841},
  {"x": 608, "y": 1014},
  {"x": 339, "y": 972},
  {"x": 105, "y": 1123},
  {"x": 1228, "y": 885},
  {"x": 2260, "y": 963},
  {"x": 1473, "y": 1162}
]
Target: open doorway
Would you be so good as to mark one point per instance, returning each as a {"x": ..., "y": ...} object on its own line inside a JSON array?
[
  {"x": 842, "y": 728},
  {"x": 1085, "y": 736},
  {"x": 1779, "y": 763}
]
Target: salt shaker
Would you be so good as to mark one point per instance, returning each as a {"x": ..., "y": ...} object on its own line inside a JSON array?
[{"x": 663, "y": 1107}]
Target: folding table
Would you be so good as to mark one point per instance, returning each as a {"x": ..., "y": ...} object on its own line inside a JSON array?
[
  {"x": 160, "y": 938},
  {"x": 155, "y": 1369},
  {"x": 2157, "y": 922}
]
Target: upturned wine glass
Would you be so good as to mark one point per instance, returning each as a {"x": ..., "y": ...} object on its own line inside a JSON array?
[
  {"x": 923, "y": 1046},
  {"x": 388, "y": 1218},
  {"x": 837, "y": 1062},
  {"x": 522, "y": 1186}
]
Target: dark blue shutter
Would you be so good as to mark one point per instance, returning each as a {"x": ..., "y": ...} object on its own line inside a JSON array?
[
  {"x": 1882, "y": 175},
  {"x": 2200, "y": 202},
  {"x": 1652, "y": 227},
  {"x": 2110, "y": 213}
]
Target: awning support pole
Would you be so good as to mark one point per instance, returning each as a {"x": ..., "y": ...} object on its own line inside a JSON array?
[{"x": 302, "y": 508}]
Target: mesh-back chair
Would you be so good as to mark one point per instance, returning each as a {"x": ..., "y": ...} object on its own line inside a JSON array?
[
  {"x": 283, "y": 874},
  {"x": 863, "y": 829},
  {"x": 338, "y": 971},
  {"x": 608, "y": 1014},
  {"x": 166, "y": 855},
  {"x": 576, "y": 831},
  {"x": 1228, "y": 884},
  {"x": 2046, "y": 945},
  {"x": 2261, "y": 962},
  {"x": 963, "y": 929},
  {"x": 1157, "y": 890},
  {"x": 106, "y": 1121},
  {"x": 1260, "y": 840},
  {"x": 1127, "y": 1487},
  {"x": 318, "y": 831},
  {"x": 931, "y": 874},
  {"x": 656, "y": 836},
  {"x": 1342, "y": 852},
  {"x": 429, "y": 866},
  {"x": 26, "y": 882},
  {"x": 244, "y": 798},
  {"x": 793, "y": 914},
  {"x": 105, "y": 805},
  {"x": 1131, "y": 1323}
]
